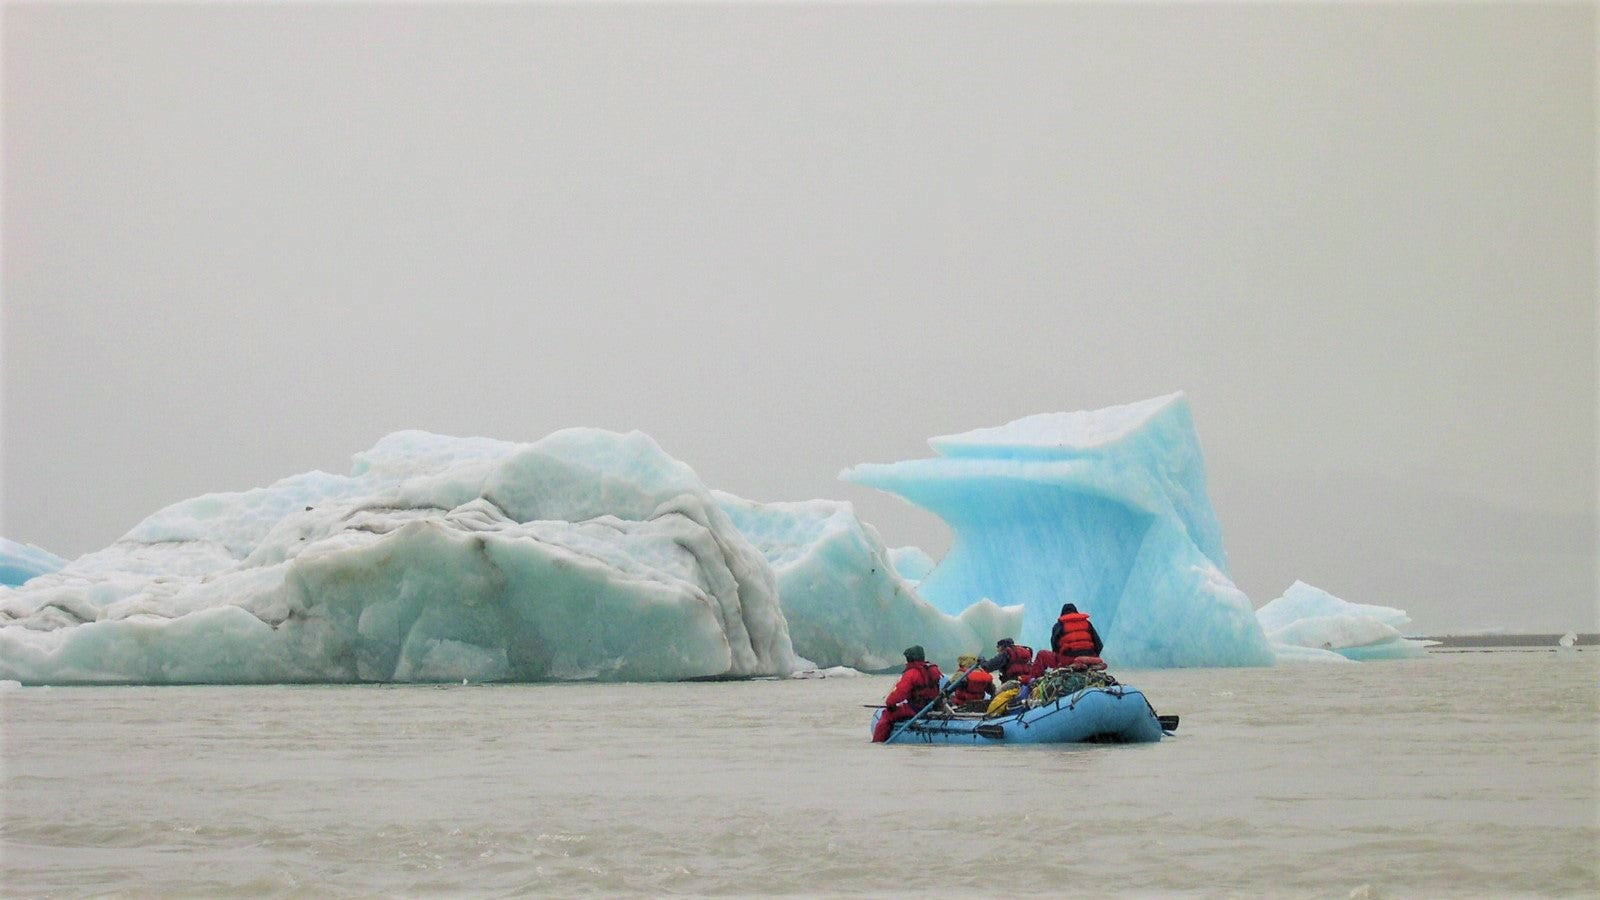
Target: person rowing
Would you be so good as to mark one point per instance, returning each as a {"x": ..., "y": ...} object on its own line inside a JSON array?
[
  {"x": 978, "y": 686},
  {"x": 918, "y": 686}
]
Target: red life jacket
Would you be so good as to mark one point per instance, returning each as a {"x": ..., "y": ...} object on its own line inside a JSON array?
[
  {"x": 978, "y": 686},
  {"x": 1042, "y": 661},
  {"x": 1019, "y": 660},
  {"x": 928, "y": 687},
  {"x": 1075, "y": 639},
  {"x": 917, "y": 687}
]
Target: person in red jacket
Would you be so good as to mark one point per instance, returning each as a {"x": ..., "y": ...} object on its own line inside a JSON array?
[
  {"x": 1073, "y": 637},
  {"x": 1012, "y": 662},
  {"x": 1043, "y": 661},
  {"x": 918, "y": 686},
  {"x": 978, "y": 685}
]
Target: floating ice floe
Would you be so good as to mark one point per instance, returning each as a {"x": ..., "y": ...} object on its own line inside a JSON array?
[
  {"x": 1106, "y": 509},
  {"x": 833, "y": 672},
  {"x": 1308, "y": 623}
]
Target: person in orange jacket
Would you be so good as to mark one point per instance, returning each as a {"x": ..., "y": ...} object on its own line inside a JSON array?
[
  {"x": 978, "y": 686},
  {"x": 918, "y": 686},
  {"x": 1073, "y": 635}
]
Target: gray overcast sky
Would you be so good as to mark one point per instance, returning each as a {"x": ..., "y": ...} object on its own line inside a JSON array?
[{"x": 245, "y": 241}]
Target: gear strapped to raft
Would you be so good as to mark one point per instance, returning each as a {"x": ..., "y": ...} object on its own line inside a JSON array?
[{"x": 1058, "y": 683}]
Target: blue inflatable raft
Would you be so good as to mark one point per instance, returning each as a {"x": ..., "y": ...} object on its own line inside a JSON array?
[{"x": 1117, "y": 714}]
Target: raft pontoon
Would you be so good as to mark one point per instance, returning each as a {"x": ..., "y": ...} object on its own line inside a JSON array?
[{"x": 1115, "y": 714}]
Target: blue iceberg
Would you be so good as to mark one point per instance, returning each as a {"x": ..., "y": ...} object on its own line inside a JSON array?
[{"x": 1106, "y": 509}]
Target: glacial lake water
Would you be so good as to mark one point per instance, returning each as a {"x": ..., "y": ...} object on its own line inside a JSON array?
[{"x": 1466, "y": 774}]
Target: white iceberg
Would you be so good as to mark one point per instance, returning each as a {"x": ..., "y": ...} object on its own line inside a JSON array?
[
  {"x": 1307, "y": 619},
  {"x": 1105, "y": 509},
  {"x": 586, "y": 555}
]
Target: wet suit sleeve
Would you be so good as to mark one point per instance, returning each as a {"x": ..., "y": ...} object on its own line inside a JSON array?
[
  {"x": 1095, "y": 636},
  {"x": 995, "y": 664},
  {"x": 1055, "y": 635}
]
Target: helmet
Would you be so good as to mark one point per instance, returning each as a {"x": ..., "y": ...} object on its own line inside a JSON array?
[
  {"x": 914, "y": 653},
  {"x": 1004, "y": 642},
  {"x": 967, "y": 659}
]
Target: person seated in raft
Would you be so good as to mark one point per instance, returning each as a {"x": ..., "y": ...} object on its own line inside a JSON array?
[
  {"x": 1043, "y": 661},
  {"x": 978, "y": 686},
  {"x": 918, "y": 686},
  {"x": 1074, "y": 637},
  {"x": 1012, "y": 662}
]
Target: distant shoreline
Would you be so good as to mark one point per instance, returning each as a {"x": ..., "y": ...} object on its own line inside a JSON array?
[{"x": 1509, "y": 640}]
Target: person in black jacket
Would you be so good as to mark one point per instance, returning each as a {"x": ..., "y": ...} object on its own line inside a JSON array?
[
  {"x": 1011, "y": 662},
  {"x": 1068, "y": 630}
]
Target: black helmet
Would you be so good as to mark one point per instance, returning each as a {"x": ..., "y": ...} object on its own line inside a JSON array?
[
  {"x": 914, "y": 653},
  {"x": 1068, "y": 608},
  {"x": 1004, "y": 642}
]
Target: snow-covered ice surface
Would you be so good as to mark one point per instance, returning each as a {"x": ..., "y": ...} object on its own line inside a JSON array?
[
  {"x": 585, "y": 555},
  {"x": 20, "y": 562},
  {"x": 845, "y": 600},
  {"x": 1308, "y": 623},
  {"x": 1106, "y": 509}
]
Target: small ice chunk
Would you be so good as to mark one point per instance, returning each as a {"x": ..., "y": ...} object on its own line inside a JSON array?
[
  {"x": 1308, "y": 617},
  {"x": 832, "y": 672}
]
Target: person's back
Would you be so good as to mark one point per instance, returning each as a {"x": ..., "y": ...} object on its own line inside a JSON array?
[
  {"x": 1073, "y": 636},
  {"x": 1013, "y": 662},
  {"x": 918, "y": 686},
  {"x": 1020, "y": 663},
  {"x": 978, "y": 684}
]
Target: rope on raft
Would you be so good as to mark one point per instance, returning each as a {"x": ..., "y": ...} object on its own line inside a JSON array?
[{"x": 1057, "y": 683}]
